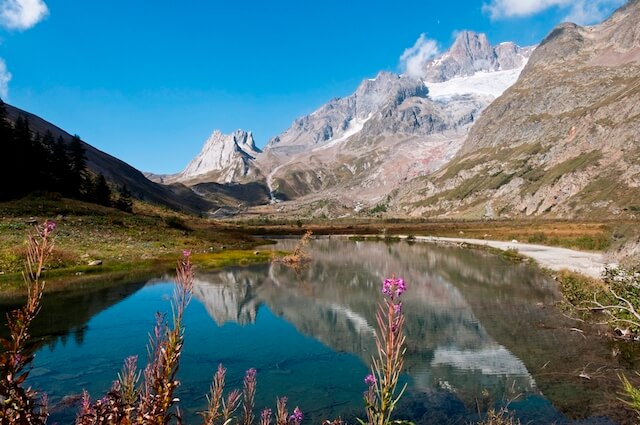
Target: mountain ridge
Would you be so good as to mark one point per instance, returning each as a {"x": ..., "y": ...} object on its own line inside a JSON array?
[
  {"x": 391, "y": 129},
  {"x": 562, "y": 141}
]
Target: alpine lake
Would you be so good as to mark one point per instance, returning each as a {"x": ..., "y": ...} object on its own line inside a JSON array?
[{"x": 481, "y": 332}]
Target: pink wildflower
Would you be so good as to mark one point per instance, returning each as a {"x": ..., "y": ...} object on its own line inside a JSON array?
[
  {"x": 370, "y": 380},
  {"x": 296, "y": 417},
  {"x": 394, "y": 287},
  {"x": 400, "y": 287},
  {"x": 49, "y": 226}
]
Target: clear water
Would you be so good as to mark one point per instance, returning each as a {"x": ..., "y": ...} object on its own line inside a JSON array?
[{"x": 481, "y": 333}]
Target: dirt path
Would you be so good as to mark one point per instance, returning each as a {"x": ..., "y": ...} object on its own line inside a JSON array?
[{"x": 588, "y": 263}]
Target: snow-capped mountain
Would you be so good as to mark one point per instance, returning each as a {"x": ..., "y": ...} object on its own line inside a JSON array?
[
  {"x": 341, "y": 118},
  {"x": 563, "y": 141},
  {"x": 357, "y": 149},
  {"x": 393, "y": 127},
  {"x": 470, "y": 53}
]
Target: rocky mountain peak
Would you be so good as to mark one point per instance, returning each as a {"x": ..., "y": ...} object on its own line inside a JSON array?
[
  {"x": 342, "y": 117},
  {"x": 387, "y": 88},
  {"x": 223, "y": 152},
  {"x": 471, "y": 52},
  {"x": 471, "y": 46},
  {"x": 563, "y": 141}
]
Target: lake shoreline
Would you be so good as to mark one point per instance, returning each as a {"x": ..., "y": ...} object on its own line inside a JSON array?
[
  {"x": 590, "y": 264},
  {"x": 556, "y": 259}
]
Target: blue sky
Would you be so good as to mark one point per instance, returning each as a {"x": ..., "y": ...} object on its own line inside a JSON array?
[{"x": 148, "y": 80}]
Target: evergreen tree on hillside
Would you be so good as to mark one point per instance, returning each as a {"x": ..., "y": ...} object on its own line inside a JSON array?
[
  {"x": 78, "y": 177},
  {"x": 124, "y": 201},
  {"x": 23, "y": 178},
  {"x": 50, "y": 181},
  {"x": 100, "y": 193},
  {"x": 60, "y": 167},
  {"x": 39, "y": 164},
  {"x": 5, "y": 127},
  {"x": 7, "y": 147}
]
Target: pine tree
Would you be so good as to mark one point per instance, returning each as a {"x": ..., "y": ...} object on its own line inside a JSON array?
[
  {"x": 39, "y": 164},
  {"x": 60, "y": 167},
  {"x": 8, "y": 149},
  {"x": 78, "y": 178},
  {"x": 5, "y": 127},
  {"x": 124, "y": 201},
  {"x": 101, "y": 193},
  {"x": 23, "y": 178},
  {"x": 49, "y": 179}
]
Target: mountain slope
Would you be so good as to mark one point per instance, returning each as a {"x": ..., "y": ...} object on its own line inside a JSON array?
[
  {"x": 177, "y": 197},
  {"x": 564, "y": 140},
  {"x": 357, "y": 149}
]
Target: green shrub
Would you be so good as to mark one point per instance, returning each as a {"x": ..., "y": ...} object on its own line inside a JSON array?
[{"x": 177, "y": 223}]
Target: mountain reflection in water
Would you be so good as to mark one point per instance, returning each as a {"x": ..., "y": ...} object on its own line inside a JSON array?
[
  {"x": 481, "y": 333},
  {"x": 334, "y": 300}
]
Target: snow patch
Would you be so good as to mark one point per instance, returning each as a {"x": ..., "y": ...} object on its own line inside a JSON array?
[
  {"x": 355, "y": 126},
  {"x": 481, "y": 83}
]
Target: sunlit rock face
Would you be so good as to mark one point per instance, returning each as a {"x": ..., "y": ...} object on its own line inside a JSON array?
[
  {"x": 224, "y": 158},
  {"x": 472, "y": 53},
  {"x": 562, "y": 141},
  {"x": 355, "y": 150},
  {"x": 393, "y": 128}
]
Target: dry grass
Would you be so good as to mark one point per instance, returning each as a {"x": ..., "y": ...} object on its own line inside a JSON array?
[
  {"x": 124, "y": 242},
  {"x": 585, "y": 235},
  {"x": 500, "y": 417}
]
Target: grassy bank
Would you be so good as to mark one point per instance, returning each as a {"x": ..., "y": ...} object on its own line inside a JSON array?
[
  {"x": 581, "y": 235},
  {"x": 94, "y": 242}
]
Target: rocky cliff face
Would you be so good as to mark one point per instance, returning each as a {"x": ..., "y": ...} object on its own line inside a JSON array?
[
  {"x": 224, "y": 158},
  {"x": 471, "y": 53},
  {"x": 564, "y": 140},
  {"x": 343, "y": 117},
  {"x": 353, "y": 151},
  {"x": 393, "y": 128}
]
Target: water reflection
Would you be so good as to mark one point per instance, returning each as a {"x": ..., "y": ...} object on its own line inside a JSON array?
[
  {"x": 466, "y": 313},
  {"x": 66, "y": 315},
  {"x": 480, "y": 332}
]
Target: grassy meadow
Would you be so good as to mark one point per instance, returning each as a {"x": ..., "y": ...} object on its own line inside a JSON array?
[{"x": 124, "y": 244}]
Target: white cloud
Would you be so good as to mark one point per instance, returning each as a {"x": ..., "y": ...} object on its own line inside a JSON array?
[
  {"x": 579, "y": 11},
  {"x": 22, "y": 14},
  {"x": 414, "y": 58},
  {"x": 5, "y": 77}
]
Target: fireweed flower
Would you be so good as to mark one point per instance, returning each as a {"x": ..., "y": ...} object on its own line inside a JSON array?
[
  {"x": 400, "y": 287},
  {"x": 49, "y": 226},
  {"x": 296, "y": 417},
  {"x": 387, "y": 286},
  {"x": 186, "y": 253},
  {"x": 370, "y": 380},
  {"x": 251, "y": 374},
  {"x": 393, "y": 287}
]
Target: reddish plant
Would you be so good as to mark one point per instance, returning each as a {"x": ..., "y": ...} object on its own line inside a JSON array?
[{"x": 20, "y": 405}]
